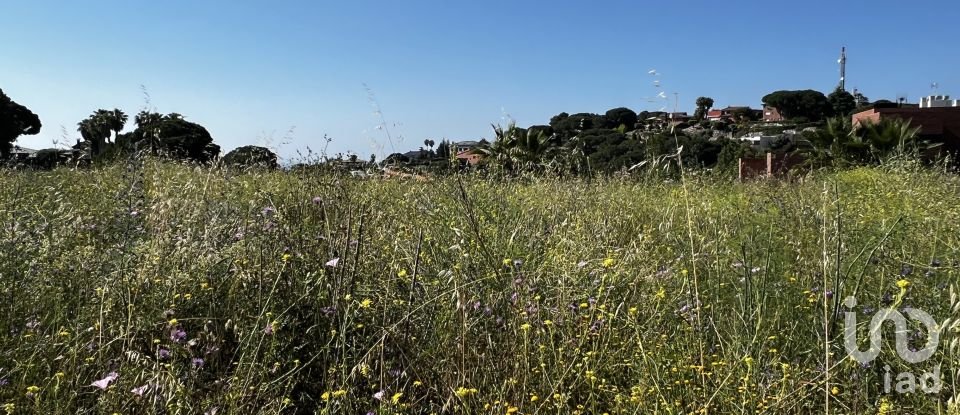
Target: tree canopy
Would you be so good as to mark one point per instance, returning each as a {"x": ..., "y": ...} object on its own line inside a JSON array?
[
  {"x": 703, "y": 105},
  {"x": 842, "y": 103},
  {"x": 15, "y": 120},
  {"x": 172, "y": 136},
  {"x": 617, "y": 117},
  {"x": 805, "y": 104},
  {"x": 251, "y": 156}
]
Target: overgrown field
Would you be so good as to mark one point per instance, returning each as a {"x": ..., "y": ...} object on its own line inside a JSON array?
[{"x": 161, "y": 288}]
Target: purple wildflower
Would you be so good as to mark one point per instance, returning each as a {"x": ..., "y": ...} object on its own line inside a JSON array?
[
  {"x": 267, "y": 211},
  {"x": 178, "y": 335},
  {"x": 163, "y": 353},
  {"x": 197, "y": 362}
]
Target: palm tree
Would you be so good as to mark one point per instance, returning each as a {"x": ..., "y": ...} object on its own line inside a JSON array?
[
  {"x": 95, "y": 130},
  {"x": 516, "y": 148},
  {"x": 888, "y": 134},
  {"x": 116, "y": 120},
  {"x": 145, "y": 118}
]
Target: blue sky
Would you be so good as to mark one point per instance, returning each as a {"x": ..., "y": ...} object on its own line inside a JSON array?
[{"x": 286, "y": 73}]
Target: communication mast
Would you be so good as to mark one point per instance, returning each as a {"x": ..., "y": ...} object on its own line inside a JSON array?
[{"x": 843, "y": 67}]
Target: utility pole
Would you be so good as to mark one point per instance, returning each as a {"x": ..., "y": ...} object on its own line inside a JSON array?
[{"x": 843, "y": 67}]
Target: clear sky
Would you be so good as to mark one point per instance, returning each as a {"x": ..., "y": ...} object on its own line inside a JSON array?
[{"x": 284, "y": 73}]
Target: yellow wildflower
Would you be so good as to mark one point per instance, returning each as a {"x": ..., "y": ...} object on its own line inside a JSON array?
[
  {"x": 885, "y": 407},
  {"x": 609, "y": 262},
  {"x": 395, "y": 399},
  {"x": 286, "y": 257},
  {"x": 903, "y": 284},
  {"x": 366, "y": 303},
  {"x": 463, "y": 392}
]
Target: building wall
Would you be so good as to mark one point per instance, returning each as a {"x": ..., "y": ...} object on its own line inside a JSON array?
[
  {"x": 772, "y": 165},
  {"x": 940, "y": 124},
  {"x": 469, "y": 157},
  {"x": 771, "y": 114},
  {"x": 938, "y": 101}
]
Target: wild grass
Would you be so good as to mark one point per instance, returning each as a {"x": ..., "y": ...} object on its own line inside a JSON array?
[{"x": 163, "y": 288}]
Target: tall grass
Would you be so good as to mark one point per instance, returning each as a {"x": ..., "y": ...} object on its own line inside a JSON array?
[{"x": 188, "y": 290}]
